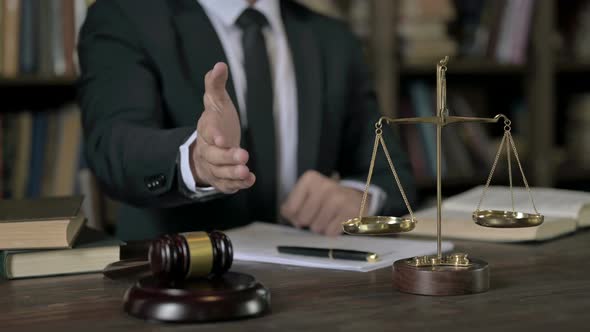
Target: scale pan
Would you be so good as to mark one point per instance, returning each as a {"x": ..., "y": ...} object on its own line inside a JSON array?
[
  {"x": 506, "y": 219},
  {"x": 378, "y": 225}
]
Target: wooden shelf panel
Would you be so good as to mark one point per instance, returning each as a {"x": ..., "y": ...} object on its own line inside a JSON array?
[
  {"x": 572, "y": 67},
  {"x": 464, "y": 66},
  {"x": 37, "y": 81}
]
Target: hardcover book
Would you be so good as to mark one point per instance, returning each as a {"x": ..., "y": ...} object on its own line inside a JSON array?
[
  {"x": 92, "y": 253},
  {"x": 52, "y": 222},
  {"x": 564, "y": 212}
]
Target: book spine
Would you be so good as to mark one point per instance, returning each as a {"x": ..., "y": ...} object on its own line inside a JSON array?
[
  {"x": 23, "y": 153},
  {"x": 45, "y": 39},
  {"x": 69, "y": 36},
  {"x": 11, "y": 34},
  {"x": 57, "y": 43},
  {"x": 2, "y": 33},
  {"x": 39, "y": 136},
  {"x": 2, "y": 160},
  {"x": 421, "y": 98},
  {"x": 28, "y": 37},
  {"x": 3, "y": 266},
  {"x": 522, "y": 32}
]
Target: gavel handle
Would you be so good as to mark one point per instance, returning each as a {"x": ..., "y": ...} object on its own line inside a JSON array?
[
  {"x": 127, "y": 268},
  {"x": 135, "y": 250}
]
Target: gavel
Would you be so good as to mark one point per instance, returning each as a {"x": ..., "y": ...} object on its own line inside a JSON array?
[
  {"x": 190, "y": 255},
  {"x": 180, "y": 257}
]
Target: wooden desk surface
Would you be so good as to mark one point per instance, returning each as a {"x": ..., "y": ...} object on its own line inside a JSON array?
[{"x": 533, "y": 287}]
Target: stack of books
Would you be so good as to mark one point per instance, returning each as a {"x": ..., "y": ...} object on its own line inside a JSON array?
[
  {"x": 422, "y": 30},
  {"x": 48, "y": 236}
]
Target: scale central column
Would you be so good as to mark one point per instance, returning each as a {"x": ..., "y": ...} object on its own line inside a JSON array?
[
  {"x": 440, "y": 113},
  {"x": 438, "y": 192}
]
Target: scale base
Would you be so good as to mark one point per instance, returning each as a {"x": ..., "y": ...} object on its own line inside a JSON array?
[
  {"x": 231, "y": 296},
  {"x": 441, "y": 279}
]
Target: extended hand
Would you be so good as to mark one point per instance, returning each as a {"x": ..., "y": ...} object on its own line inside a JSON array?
[
  {"x": 321, "y": 203},
  {"x": 216, "y": 157}
]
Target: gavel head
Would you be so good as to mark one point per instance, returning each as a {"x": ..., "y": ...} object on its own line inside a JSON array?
[{"x": 190, "y": 255}]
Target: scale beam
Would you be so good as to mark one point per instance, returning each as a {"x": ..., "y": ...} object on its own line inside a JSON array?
[{"x": 442, "y": 120}]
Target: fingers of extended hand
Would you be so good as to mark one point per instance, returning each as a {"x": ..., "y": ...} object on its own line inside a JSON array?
[
  {"x": 231, "y": 186},
  {"x": 235, "y": 172},
  {"x": 222, "y": 168},
  {"x": 222, "y": 156}
]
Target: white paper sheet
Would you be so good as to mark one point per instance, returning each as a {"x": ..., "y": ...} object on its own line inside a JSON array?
[{"x": 258, "y": 242}]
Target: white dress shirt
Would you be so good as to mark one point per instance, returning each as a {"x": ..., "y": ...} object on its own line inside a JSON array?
[{"x": 223, "y": 16}]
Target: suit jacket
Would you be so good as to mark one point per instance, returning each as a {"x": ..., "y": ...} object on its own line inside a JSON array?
[{"x": 141, "y": 87}]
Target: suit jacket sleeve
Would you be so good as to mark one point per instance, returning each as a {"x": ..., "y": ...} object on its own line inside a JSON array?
[
  {"x": 127, "y": 145},
  {"x": 359, "y": 136}
]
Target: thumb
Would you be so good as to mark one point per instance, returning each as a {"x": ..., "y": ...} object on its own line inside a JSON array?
[{"x": 215, "y": 81}]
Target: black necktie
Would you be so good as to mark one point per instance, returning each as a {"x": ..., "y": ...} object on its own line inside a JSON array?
[{"x": 260, "y": 135}]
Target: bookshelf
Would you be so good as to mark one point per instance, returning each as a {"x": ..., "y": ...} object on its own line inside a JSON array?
[
  {"x": 539, "y": 80},
  {"x": 546, "y": 83}
]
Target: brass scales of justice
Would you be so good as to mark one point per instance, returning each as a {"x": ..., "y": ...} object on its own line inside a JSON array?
[{"x": 456, "y": 273}]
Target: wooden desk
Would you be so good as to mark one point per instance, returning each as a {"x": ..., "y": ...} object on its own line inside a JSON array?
[{"x": 535, "y": 287}]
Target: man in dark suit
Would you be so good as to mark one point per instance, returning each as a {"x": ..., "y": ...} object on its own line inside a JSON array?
[{"x": 187, "y": 143}]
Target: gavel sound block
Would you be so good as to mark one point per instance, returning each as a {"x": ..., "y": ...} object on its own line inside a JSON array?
[{"x": 189, "y": 282}]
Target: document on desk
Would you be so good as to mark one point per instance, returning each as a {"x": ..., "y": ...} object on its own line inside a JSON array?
[{"x": 258, "y": 242}]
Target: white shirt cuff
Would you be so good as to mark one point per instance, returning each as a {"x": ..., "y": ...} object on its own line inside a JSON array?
[
  {"x": 378, "y": 196},
  {"x": 185, "y": 167}
]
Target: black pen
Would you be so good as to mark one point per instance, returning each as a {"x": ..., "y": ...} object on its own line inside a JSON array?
[{"x": 354, "y": 255}]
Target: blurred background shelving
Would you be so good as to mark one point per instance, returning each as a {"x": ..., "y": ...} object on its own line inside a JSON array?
[
  {"x": 539, "y": 80},
  {"x": 528, "y": 59}
]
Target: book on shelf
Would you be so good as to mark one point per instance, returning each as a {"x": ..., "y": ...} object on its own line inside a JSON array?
[
  {"x": 38, "y": 37},
  {"x": 473, "y": 134},
  {"x": 580, "y": 47},
  {"x": 39, "y": 134},
  {"x": 422, "y": 30},
  {"x": 10, "y": 34},
  {"x": 42, "y": 152},
  {"x": 422, "y": 97},
  {"x": 1, "y": 157},
  {"x": 467, "y": 148},
  {"x": 28, "y": 38},
  {"x": 496, "y": 29},
  {"x": 564, "y": 212},
  {"x": 23, "y": 124},
  {"x": 52, "y": 222},
  {"x": 514, "y": 31},
  {"x": 92, "y": 252},
  {"x": 427, "y": 10},
  {"x": 67, "y": 157},
  {"x": 577, "y": 137},
  {"x": 413, "y": 143}
]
